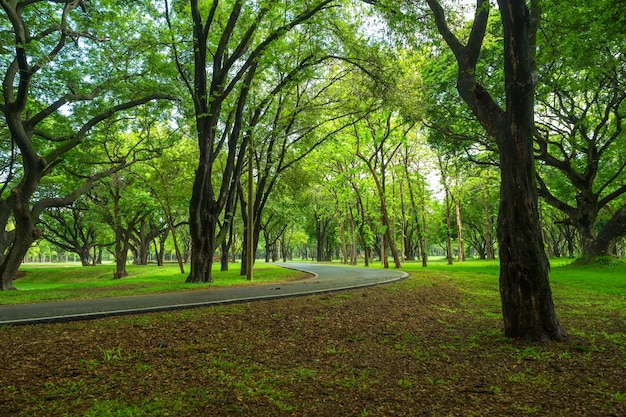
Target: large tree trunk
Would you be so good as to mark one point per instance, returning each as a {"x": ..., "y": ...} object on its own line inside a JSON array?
[
  {"x": 24, "y": 236},
  {"x": 604, "y": 243},
  {"x": 203, "y": 213},
  {"x": 84, "y": 255},
  {"x": 202, "y": 228},
  {"x": 527, "y": 306}
]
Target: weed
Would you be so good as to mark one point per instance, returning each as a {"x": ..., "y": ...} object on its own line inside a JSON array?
[
  {"x": 526, "y": 377},
  {"x": 142, "y": 367},
  {"x": 282, "y": 406},
  {"x": 223, "y": 363},
  {"x": 619, "y": 339},
  {"x": 111, "y": 408},
  {"x": 304, "y": 373},
  {"x": 433, "y": 381},
  {"x": 404, "y": 384},
  {"x": 364, "y": 413},
  {"x": 111, "y": 355},
  {"x": 89, "y": 365}
]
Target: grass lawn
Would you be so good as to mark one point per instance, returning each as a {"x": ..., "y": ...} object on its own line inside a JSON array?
[
  {"x": 431, "y": 345},
  {"x": 49, "y": 282}
]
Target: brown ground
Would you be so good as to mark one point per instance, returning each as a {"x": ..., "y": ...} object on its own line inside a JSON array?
[{"x": 418, "y": 348}]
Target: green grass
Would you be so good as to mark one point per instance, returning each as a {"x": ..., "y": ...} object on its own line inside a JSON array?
[
  {"x": 609, "y": 279},
  {"x": 68, "y": 281}
]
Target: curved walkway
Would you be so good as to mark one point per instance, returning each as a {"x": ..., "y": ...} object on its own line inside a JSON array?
[{"x": 325, "y": 279}]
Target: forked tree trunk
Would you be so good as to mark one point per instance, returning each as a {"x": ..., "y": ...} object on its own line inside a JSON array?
[
  {"x": 25, "y": 232},
  {"x": 203, "y": 246}
]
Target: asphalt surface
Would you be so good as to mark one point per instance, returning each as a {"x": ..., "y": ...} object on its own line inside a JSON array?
[{"x": 325, "y": 279}]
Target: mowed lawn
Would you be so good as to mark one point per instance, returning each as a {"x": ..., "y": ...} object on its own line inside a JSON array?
[
  {"x": 431, "y": 345},
  {"x": 49, "y": 282}
]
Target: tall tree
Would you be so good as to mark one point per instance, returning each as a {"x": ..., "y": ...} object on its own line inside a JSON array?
[
  {"x": 378, "y": 140},
  {"x": 66, "y": 72},
  {"x": 582, "y": 102},
  {"x": 527, "y": 305},
  {"x": 229, "y": 41}
]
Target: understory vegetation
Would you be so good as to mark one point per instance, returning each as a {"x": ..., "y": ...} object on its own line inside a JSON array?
[{"x": 431, "y": 345}]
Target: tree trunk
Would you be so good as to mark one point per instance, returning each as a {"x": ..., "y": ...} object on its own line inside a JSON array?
[
  {"x": 459, "y": 225},
  {"x": 84, "y": 254},
  {"x": 24, "y": 236},
  {"x": 202, "y": 228},
  {"x": 387, "y": 240},
  {"x": 344, "y": 245},
  {"x": 121, "y": 254},
  {"x": 423, "y": 238},
  {"x": 489, "y": 251},
  {"x": 420, "y": 230},
  {"x": 527, "y": 306},
  {"x": 604, "y": 243},
  {"x": 448, "y": 228}
]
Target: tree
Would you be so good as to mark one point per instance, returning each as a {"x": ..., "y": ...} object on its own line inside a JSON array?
[
  {"x": 582, "y": 102},
  {"x": 480, "y": 211},
  {"x": 416, "y": 185},
  {"x": 169, "y": 179},
  {"x": 527, "y": 306},
  {"x": 379, "y": 136},
  {"x": 64, "y": 76},
  {"x": 309, "y": 105},
  {"x": 124, "y": 205},
  {"x": 229, "y": 41},
  {"x": 73, "y": 229}
]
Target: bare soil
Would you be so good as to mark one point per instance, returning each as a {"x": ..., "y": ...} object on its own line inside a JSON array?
[{"x": 422, "y": 347}]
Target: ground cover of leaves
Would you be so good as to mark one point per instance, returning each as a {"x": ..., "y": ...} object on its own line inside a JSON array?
[{"x": 428, "y": 346}]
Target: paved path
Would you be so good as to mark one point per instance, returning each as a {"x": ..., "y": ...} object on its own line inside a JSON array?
[{"x": 326, "y": 278}]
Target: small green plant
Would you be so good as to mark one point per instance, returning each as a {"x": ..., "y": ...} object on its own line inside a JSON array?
[
  {"x": 364, "y": 413},
  {"x": 404, "y": 384},
  {"x": 304, "y": 373},
  {"x": 111, "y": 355},
  {"x": 282, "y": 406},
  {"x": 111, "y": 408},
  {"x": 142, "y": 367},
  {"x": 89, "y": 365}
]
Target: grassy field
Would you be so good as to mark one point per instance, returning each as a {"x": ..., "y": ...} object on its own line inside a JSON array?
[
  {"x": 431, "y": 345},
  {"x": 49, "y": 282}
]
